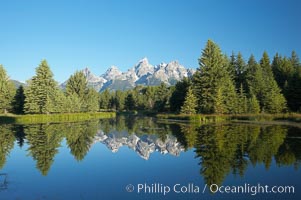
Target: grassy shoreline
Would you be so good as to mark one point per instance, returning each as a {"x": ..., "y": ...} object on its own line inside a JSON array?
[
  {"x": 202, "y": 118},
  {"x": 53, "y": 118}
]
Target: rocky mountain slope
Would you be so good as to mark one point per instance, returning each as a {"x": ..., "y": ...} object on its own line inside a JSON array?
[
  {"x": 143, "y": 145},
  {"x": 143, "y": 73}
]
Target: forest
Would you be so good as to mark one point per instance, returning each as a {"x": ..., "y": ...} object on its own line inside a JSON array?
[{"x": 221, "y": 85}]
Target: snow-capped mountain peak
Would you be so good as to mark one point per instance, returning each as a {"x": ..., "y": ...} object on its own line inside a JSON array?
[
  {"x": 143, "y": 68},
  {"x": 90, "y": 76},
  {"x": 111, "y": 73},
  {"x": 143, "y": 73}
]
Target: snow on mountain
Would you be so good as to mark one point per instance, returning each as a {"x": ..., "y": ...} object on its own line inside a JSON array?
[
  {"x": 91, "y": 77},
  {"x": 143, "y": 73},
  {"x": 143, "y": 68},
  {"x": 112, "y": 73},
  {"x": 170, "y": 73},
  {"x": 144, "y": 146}
]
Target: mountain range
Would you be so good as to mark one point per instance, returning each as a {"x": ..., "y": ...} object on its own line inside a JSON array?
[
  {"x": 143, "y": 73},
  {"x": 143, "y": 145}
]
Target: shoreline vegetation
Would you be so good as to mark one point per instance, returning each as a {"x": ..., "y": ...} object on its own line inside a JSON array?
[
  {"x": 250, "y": 118},
  {"x": 223, "y": 88},
  {"x": 53, "y": 118}
]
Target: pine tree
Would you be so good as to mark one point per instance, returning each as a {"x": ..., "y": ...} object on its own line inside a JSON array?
[
  {"x": 129, "y": 103},
  {"x": 253, "y": 105},
  {"x": 262, "y": 84},
  {"x": 273, "y": 100},
  {"x": 242, "y": 106},
  {"x": 240, "y": 69},
  {"x": 77, "y": 84},
  {"x": 265, "y": 65},
  {"x": 161, "y": 97},
  {"x": 72, "y": 104},
  {"x": 149, "y": 94},
  {"x": 292, "y": 89},
  {"x": 91, "y": 99},
  {"x": 19, "y": 101},
  {"x": 218, "y": 102},
  {"x": 232, "y": 65},
  {"x": 7, "y": 91},
  {"x": 283, "y": 70},
  {"x": 229, "y": 96},
  {"x": 190, "y": 103},
  {"x": 104, "y": 99},
  {"x": 119, "y": 100},
  {"x": 177, "y": 98},
  {"x": 255, "y": 80},
  {"x": 295, "y": 60},
  {"x": 41, "y": 91},
  {"x": 213, "y": 80}
]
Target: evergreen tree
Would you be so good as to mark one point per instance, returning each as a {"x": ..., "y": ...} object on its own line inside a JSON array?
[
  {"x": 240, "y": 69},
  {"x": 19, "y": 101},
  {"x": 242, "y": 106},
  {"x": 294, "y": 92},
  {"x": 129, "y": 103},
  {"x": 91, "y": 99},
  {"x": 139, "y": 98},
  {"x": 232, "y": 65},
  {"x": 161, "y": 96},
  {"x": 255, "y": 80},
  {"x": 149, "y": 94},
  {"x": 104, "y": 99},
  {"x": 41, "y": 91},
  {"x": 229, "y": 96},
  {"x": 7, "y": 91},
  {"x": 177, "y": 98},
  {"x": 72, "y": 104},
  {"x": 293, "y": 87},
  {"x": 262, "y": 84},
  {"x": 77, "y": 84},
  {"x": 190, "y": 103},
  {"x": 119, "y": 100},
  {"x": 212, "y": 83},
  {"x": 253, "y": 105},
  {"x": 273, "y": 101},
  {"x": 295, "y": 60},
  {"x": 265, "y": 65},
  {"x": 218, "y": 102}
]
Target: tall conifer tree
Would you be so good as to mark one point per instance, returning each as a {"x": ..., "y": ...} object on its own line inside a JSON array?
[
  {"x": 7, "y": 91},
  {"x": 41, "y": 91},
  {"x": 212, "y": 83}
]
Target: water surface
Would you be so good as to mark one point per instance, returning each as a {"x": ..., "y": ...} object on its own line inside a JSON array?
[{"x": 111, "y": 159}]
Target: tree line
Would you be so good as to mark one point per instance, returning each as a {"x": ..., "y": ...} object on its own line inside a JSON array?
[
  {"x": 221, "y": 85},
  {"x": 42, "y": 95}
]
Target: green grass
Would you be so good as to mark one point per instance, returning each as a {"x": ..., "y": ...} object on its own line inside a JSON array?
[
  {"x": 202, "y": 118},
  {"x": 53, "y": 118}
]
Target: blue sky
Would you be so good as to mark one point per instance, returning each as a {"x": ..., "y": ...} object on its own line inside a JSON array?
[{"x": 74, "y": 34}]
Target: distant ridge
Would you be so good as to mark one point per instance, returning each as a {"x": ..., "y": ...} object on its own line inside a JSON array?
[{"x": 143, "y": 73}]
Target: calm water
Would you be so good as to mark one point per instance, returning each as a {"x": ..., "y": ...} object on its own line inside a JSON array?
[{"x": 152, "y": 160}]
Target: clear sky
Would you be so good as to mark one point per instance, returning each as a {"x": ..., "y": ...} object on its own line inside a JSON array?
[{"x": 74, "y": 34}]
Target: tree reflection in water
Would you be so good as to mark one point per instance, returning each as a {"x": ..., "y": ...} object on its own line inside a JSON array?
[
  {"x": 221, "y": 148},
  {"x": 227, "y": 148}
]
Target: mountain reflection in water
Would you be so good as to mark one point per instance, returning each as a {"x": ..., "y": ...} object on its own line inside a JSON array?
[{"x": 220, "y": 148}]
